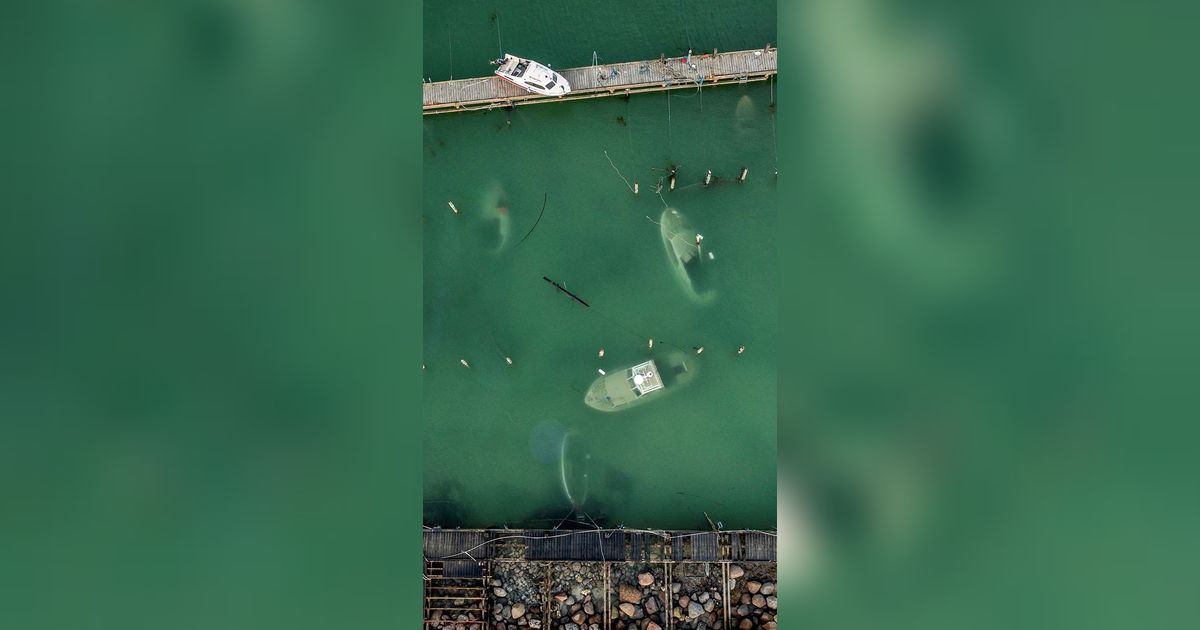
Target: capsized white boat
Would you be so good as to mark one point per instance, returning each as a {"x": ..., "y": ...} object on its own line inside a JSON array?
[{"x": 531, "y": 75}]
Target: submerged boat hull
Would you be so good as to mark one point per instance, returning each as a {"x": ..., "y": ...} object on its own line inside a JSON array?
[
  {"x": 617, "y": 391},
  {"x": 684, "y": 256}
]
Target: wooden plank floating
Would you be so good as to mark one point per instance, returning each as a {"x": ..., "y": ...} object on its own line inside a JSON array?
[{"x": 614, "y": 79}]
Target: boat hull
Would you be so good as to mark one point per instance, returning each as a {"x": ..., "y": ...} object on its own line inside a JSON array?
[
  {"x": 612, "y": 392},
  {"x": 533, "y": 72},
  {"x": 684, "y": 256}
]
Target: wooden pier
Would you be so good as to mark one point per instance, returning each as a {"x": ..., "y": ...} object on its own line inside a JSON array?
[
  {"x": 460, "y": 566},
  {"x": 614, "y": 79}
]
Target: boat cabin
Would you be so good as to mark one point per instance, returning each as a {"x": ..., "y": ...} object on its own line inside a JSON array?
[{"x": 644, "y": 378}]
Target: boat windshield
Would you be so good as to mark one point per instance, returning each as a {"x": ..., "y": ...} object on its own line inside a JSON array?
[
  {"x": 520, "y": 69},
  {"x": 550, "y": 84}
]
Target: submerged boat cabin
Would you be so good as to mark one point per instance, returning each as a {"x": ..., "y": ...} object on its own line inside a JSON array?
[{"x": 633, "y": 386}]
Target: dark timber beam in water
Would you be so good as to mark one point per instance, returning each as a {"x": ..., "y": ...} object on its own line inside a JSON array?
[{"x": 564, "y": 290}]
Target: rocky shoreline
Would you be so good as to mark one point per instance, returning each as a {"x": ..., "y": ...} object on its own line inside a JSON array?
[
  {"x": 516, "y": 592},
  {"x": 752, "y": 599},
  {"x": 571, "y": 596},
  {"x": 577, "y": 602},
  {"x": 697, "y": 593},
  {"x": 640, "y": 600}
]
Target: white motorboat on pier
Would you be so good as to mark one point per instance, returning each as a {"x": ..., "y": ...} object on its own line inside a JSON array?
[{"x": 531, "y": 75}]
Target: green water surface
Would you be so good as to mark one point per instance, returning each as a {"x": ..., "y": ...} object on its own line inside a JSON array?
[{"x": 515, "y": 444}]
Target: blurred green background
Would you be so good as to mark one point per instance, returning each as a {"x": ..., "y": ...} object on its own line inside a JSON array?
[
  {"x": 990, "y": 419},
  {"x": 209, "y": 262}
]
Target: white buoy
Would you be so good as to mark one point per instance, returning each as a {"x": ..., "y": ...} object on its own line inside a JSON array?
[
  {"x": 601, "y": 353},
  {"x": 742, "y": 175},
  {"x": 699, "y": 349},
  {"x": 602, "y": 373},
  {"x": 452, "y": 207},
  {"x": 509, "y": 359},
  {"x": 708, "y": 178},
  {"x": 651, "y": 344},
  {"x": 464, "y": 363},
  {"x": 635, "y": 188},
  {"x": 672, "y": 182},
  {"x": 741, "y": 349}
]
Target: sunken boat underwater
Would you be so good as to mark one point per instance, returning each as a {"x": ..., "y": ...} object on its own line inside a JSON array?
[
  {"x": 635, "y": 385},
  {"x": 692, "y": 265},
  {"x": 531, "y": 76}
]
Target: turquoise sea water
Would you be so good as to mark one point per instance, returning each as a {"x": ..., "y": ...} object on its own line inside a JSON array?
[{"x": 516, "y": 444}]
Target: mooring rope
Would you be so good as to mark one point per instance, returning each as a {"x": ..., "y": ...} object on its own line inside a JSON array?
[
  {"x": 535, "y": 223},
  {"x": 610, "y": 161},
  {"x": 660, "y": 533},
  {"x": 498, "y": 40},
  {"x": 687, "y": 29},
  {"x": 774, "y": 135},
  {"x": 668, "y": 122}
]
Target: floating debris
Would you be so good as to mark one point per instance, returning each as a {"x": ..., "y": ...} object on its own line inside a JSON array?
[
  {"x": 699, "y": 349},
  {"x": 742, "y": 175},
  {"x": 602, "y": 372},
  {"x": 741, "y": 349},
  {"x": 509, "y": 359},
  {"x": 601, "y": 353},
  {"x": 464, "y": 363},
  {"x": 651, "y": 344},
  {"x": 635, "y": 187},
  {"x": 708, "y": 177},
  {"x": 452, "y": 207}
]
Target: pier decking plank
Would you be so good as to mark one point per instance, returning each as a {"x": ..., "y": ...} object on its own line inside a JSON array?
[
  {"x": 605, "y": 80},
  {"x": 445, "y": 544}
]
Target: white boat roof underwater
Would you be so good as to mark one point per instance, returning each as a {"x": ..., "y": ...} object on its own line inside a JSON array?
[{"x": 532, "y": 76}]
